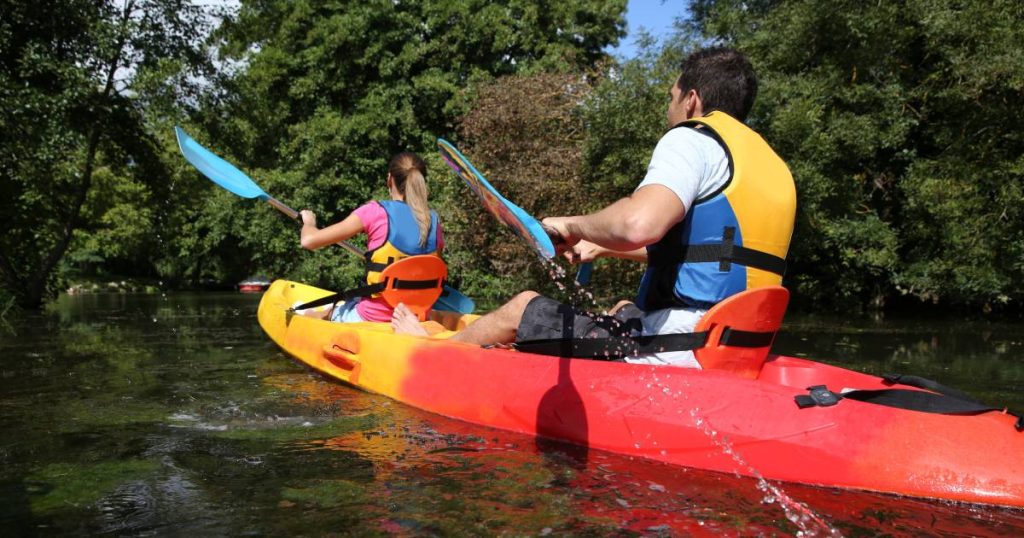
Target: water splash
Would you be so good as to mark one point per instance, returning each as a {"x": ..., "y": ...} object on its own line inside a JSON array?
[
  {"x": 798, "y": 513},
  {"x": 801, "y": 515}
]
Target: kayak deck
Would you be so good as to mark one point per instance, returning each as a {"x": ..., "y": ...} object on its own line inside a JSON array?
[{"x": 695, "y": 418}]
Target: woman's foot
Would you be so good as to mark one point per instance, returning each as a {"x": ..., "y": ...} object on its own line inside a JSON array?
[{"x": 403, "y": 321}]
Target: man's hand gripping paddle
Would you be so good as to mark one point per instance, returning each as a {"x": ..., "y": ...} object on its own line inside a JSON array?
[
  {"x": 227, "y": 176},
  {"x": 509, "y": 214}
]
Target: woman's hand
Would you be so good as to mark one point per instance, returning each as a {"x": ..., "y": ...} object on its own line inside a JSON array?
[{"x": 308, "y": 218}]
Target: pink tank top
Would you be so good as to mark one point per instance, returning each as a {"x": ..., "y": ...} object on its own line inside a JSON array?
[{"x": 375, "y": 223}]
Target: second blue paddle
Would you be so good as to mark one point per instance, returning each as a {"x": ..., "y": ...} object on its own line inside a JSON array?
[{"x": 509, "y": 214}]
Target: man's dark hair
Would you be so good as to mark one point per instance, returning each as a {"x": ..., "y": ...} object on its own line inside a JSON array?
[{"x": 723, "y": 78}]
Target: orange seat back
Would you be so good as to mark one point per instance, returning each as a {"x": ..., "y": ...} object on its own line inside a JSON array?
[
  {"x": 416, "y": 282},
  {"x": 730, "y": 324}
]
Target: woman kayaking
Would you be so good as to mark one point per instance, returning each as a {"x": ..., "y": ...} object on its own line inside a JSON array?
[{"x": 397, "y": 228}]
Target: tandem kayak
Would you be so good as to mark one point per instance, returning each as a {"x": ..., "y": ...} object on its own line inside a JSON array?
[{"x": 704, "y": 419}]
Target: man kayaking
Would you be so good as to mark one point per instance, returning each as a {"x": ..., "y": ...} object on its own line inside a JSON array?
[{"x": 713, "y": 217}]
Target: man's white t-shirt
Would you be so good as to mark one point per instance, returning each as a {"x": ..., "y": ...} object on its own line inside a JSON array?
[{"x": 692, "y": 165}]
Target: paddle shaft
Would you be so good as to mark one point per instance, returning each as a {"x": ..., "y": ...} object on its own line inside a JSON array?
[{"x": 294, "y": 215}]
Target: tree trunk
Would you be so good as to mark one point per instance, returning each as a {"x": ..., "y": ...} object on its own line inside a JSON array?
[{"x": 35, "y": 285}]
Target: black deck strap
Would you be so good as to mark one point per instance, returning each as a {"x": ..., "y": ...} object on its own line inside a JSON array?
[
  {"x": 917, "y": 400},
  {"x": 614, "y": 347},
  {"x": 928, "y": 384},
  {"x": 817, "y": 396},
  {"x": 737, "y": 338},
  {"x": 370, "y": 289},
  {"x": 912, "y": 400}
]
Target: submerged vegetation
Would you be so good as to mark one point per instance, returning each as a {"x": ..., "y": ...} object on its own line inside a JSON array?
[{"x": 898, "y": 120}]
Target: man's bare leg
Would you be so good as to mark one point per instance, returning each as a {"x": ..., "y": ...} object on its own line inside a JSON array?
[{"x": 498, "y": 327}]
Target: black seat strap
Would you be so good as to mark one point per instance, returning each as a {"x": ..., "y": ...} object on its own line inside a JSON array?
[
  {"x": 737, "y": 338},
  {"x": 614, "y": 347},
  {"x": 400, "y": 284},
  {"x": 370, "y": 289},
  {"x": 342, "y": 296},
  {"x": 625, "y": 346}
]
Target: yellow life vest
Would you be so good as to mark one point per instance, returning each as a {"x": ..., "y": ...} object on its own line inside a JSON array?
[
  {"x": 732, "y": 240},
  {"x": 402, "y": 241}
]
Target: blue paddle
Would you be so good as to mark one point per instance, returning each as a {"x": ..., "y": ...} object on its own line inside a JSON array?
[
  {"x": 511, "y": 215},
  {"x": 234, "y": 180}
]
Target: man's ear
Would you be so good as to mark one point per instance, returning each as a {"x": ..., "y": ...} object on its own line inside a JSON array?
[{"x": 694, "y": 106}]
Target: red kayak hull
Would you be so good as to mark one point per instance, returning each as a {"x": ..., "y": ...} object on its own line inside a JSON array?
[{"x": 704, "y": 419}]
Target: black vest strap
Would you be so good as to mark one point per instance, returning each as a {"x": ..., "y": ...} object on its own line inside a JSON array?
[
  {"x": 725, "y": 253},
  {"x": 374, "y": 267}
]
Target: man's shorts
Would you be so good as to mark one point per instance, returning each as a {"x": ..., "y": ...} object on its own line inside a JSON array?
[{"x": 548, "y": 319}]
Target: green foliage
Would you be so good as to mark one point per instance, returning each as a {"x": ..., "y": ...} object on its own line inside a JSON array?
[
  {"x": 900, "y": 123},
  {"x": 324, "y": 94},
  {"x": 897, "y": 119},
  {"x": 525, "y": 133},
  {"x": 76, "y": 80}
]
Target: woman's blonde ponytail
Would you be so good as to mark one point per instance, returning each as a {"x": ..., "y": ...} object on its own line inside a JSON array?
[{"x": 409, "y": 172}]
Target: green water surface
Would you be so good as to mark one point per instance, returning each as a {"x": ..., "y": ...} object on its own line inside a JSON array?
[{"x": 173, "y": 414}]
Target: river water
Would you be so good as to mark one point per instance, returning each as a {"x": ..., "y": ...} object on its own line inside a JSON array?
[{"x": 174, "y": 415}]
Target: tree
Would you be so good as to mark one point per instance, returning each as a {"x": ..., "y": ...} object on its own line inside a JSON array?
[
  {"x": 76, "y": 80},
  {"x": 525, "y": 133},
  {"x": 899, "y": 120}
]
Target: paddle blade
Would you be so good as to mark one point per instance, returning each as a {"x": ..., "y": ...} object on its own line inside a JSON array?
[
  {"x": 524, "y": 225},
  {"x": 452, "y": 300},
  {"x": 216, "y": 169}
]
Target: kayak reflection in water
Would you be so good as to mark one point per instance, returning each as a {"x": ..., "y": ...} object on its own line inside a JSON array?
[
  {"x": 712, "y": 218},
  {"x": 398, "y": 228}
]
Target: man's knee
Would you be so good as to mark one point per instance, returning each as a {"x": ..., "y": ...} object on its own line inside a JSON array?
[
  {"x": 520, "y": 301},
  {"x": 619, "y": 306},
  {"x": 512, "y": 311}
]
